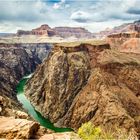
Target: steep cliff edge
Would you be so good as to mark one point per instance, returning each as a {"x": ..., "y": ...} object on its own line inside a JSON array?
[
  {"x": 58, "y": 80},
  {"x": 17, "y": 60},
  {"x": 88, "y": 82}
]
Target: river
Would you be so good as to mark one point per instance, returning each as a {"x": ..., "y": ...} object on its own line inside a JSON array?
[{"x": 30, "y": 109}]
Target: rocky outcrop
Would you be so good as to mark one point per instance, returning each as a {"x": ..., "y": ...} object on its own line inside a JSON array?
[
  {"x": 17, "y": 59},
  {"x": 131, "y": 46},
  {"x": 11, "y": 128},
  {"x": 124, "y": 28},
  {"x": 22, "y": 32},
  {"x": 87, "y": 82},
  {"x": 66, "y": 73},
  {"x": 42, "y": 30},
  {"x": 76, "y": 32},
  {"x": 17, "y": 128},
  {"x": 10, "y": 108},
  {"x": 61, "y": 136},
  {"x": 125, "y": 42},
  {"x": 36, "y": 51}
]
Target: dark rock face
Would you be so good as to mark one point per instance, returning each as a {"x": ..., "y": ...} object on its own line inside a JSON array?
[
  {"x": 17, "y": 60},
  {"x": 109, "y": 98},
  {"x": 37, "y": 51},
  {"x": 22, "y": 58},
  {"x": 73, "y": 31},
  {"x": 90, "y": 84}
]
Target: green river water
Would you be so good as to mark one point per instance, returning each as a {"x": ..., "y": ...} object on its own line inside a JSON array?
[{"x": 32, "y": 112}]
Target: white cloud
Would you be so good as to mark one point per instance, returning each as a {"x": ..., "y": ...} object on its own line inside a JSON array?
[
  {"x": 106, "y": 11},
  {"x": 94, "y": 15},
  {"x": 22, "y": 10},
  {"x": 58, "y": 5},
  {"x": 80, "y": 16}
]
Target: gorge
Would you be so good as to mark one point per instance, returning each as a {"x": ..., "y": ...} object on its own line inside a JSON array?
[
  {"x": 87, "y": 82},
  {"x": 72, "y": 83},
  {"x": 30, "y": 109}
]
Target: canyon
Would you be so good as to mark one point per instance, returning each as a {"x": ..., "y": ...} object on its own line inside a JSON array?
[
  {"x": 16, "y": 61},
  {"x": 94, "y": 80},
  {"x": 87, "y": 82}
]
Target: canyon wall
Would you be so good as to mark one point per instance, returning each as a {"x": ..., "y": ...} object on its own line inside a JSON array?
[
  {"x": 16, "y": 61},
  {"x": 125, "y": 42},
  {"x": 61, "y": 76},
  {"x": 88, "y": 82}
]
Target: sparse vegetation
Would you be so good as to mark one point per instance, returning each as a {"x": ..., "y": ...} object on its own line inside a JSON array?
[{"x": 89, "y": 132}]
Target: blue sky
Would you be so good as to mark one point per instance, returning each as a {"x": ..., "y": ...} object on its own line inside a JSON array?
[{"x": 94, "y": 15}]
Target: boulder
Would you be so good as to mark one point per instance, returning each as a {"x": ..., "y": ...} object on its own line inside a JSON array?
[{"x": 17, "y": 128}]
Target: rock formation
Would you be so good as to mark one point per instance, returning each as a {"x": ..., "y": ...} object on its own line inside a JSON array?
[
  {"x": 64, "y": 32},
  {"x": 11, "y": 128},
  {"x": 88, "y": 82},
  {"x": 36, "y": 51},
  {"x": 17, "y": 60},
  {"x": 42, "y": 30},
  {"x": 66, "y": 71},
  {"x": 124, "y": 28},
  {"x": 76, "y": 32},
  {"x": 125, "y": 42}
]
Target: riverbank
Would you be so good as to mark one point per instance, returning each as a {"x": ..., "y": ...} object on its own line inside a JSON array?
[{"x": 31, "y": 111}]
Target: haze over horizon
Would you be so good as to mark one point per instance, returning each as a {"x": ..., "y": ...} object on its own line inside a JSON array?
[{"x": 94, "y": 15}]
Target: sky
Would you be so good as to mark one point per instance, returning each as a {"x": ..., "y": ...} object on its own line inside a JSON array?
[{"x": 94, "y": 15}]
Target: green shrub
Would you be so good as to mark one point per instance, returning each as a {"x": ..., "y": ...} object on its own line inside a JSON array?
[{"x": 88, "y": 132}]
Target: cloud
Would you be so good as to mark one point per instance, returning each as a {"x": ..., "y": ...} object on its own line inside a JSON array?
[
  {"x": 22, "y": 11},
  {"x": 134, "y": 11},
  {"x": 109, "y": 10},
  {"x": 92, "y": 14},
  {"x": 58, "y": 5},
  {"x": 80, "y": 16},
  {"x": 135, "y": 8}
]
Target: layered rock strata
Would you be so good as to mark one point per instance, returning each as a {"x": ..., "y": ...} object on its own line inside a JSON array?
[
  {"x": 61, "y": 76},
  {"x": 16, "y": 61},
  {"x": 125, "y": 42},
  {"x": 87, "y": 82},
  {"x": 76, "y": 32}
]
